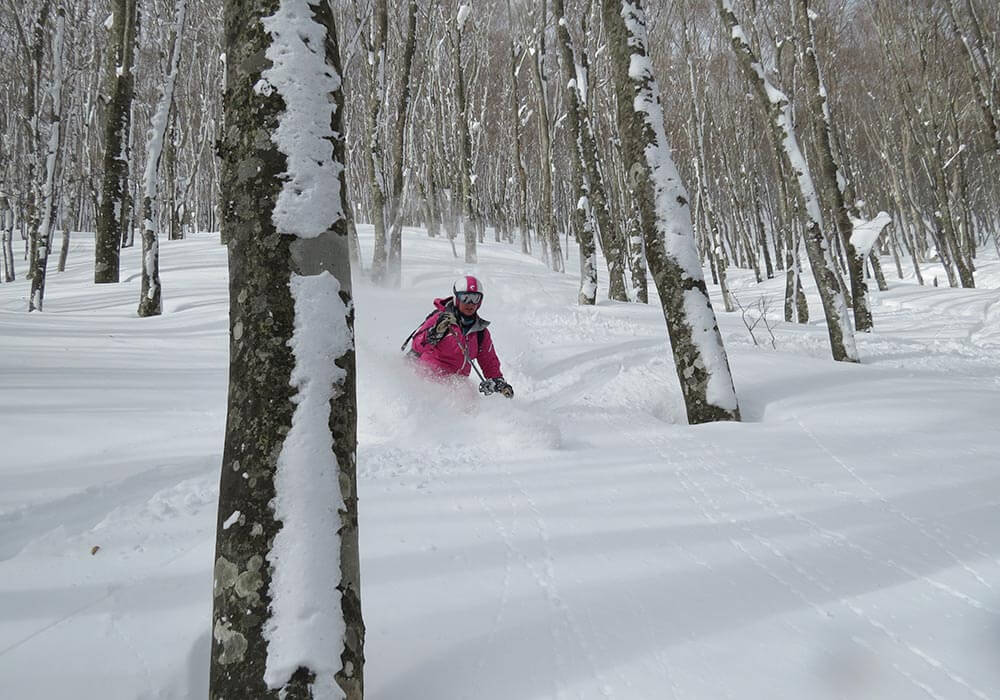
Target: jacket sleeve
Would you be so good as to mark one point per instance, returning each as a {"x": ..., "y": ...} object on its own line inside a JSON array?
[
  {"x": 487, "y": 357},
  {"x": 420, "y": 344}
]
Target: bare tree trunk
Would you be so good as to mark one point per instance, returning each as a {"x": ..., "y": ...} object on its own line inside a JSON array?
[
  {"x": 515, "y": 112},
  {"x": 287, "y": 608},
  {"x": 699, "y": 357},
  {"x": 582, "y": 220},
  {"x": 50, "y": 196},
  {"x": 469, "y": 218},
  {"x": 830, "y": 173},
  {"x": 7, "y": 240},
  {"x": 716, "y": 250},
  {"x": 150, "y": 297},
  {"x": 394, "y": 276},
  {"x": 111, "y": 218},
  {"x": 786, "y": 142},
  {"x": 373, "y": 142},
  {"x": 551, "y": 250}
]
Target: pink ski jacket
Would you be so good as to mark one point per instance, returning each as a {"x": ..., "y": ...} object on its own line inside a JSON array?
[{"x": 453, "y": 353}]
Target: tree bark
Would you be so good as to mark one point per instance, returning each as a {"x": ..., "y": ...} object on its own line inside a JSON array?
[
  {"x": 469, "y": 218},
  {"x": 287, "y": 575},
  {"x": 829, "y": 171},
  {"x": 394, "y": 274},
  {"x": 786, "y": 143},
  {"x": 582, "y": 220},
  {"x": 111, "y": 218},
  {"x": 50, "y": 196},
  {"x": 699, "y": 357},
  {"x": 374, "y": 157},
  {"x": 150, "y": 296}
]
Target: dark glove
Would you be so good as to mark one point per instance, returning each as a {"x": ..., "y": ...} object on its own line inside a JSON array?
[
  {"x": 445, "y": 321},
  {"x": 498, "y": 385}
]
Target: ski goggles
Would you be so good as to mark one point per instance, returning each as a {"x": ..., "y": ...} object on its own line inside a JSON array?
[{"x": 469, "y": 297}]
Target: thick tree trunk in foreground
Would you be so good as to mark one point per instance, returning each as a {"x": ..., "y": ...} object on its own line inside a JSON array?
[
  {"x": 287, "y": 614},
  {"x": 700, "y": 359}
]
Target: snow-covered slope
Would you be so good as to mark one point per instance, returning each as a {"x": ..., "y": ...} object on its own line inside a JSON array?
[{"x": 579, "y": 541}]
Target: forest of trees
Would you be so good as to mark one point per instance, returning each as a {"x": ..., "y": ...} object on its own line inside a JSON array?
[
  {"x": 466, "y": 118},
  {"x": 697, "y": 134}
]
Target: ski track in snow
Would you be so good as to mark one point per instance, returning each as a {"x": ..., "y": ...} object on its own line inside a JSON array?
[
  {"x": 578, "y": 542},
  {"x": 740, "y": 486}
]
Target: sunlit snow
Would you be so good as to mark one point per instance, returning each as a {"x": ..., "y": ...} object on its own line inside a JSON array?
[{"x": 578, "y": 541}]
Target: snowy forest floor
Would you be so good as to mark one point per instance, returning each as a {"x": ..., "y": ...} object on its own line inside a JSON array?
[{"x": 579, "y": 541}]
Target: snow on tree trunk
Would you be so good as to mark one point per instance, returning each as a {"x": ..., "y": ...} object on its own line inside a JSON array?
[
  {"x": 582, "y": 220},
  {"x": 111, "y": 219},
  {"x": 609, "y": 232},
  {"x": 830, "y": 174},
  {"x": 515, "y": 114},
  {"x": 787, "y": 143},
  {"x": 40, "y": 263},
  {"x": 287, "y": 609},
  {"x": 32, "y": 115},
  {"x": 7, "y": 239},
  {"x": 150, "y": 294},
  {"x": 699, "y": 357}
]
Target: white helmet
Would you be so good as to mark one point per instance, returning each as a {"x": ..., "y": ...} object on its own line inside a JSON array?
[{"x": 469, "y": 287}]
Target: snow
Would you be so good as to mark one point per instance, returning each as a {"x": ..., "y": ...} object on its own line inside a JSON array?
[
  {"x": 866, "y": 232},
  {"x": 578, "y": 541},
  {"x": 309, "y": 201},
  {"x": 306, "y": 628},
  {"x": 463, "y": 15}
]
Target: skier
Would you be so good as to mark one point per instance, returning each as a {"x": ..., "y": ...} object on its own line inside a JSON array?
[{"x": 454, "y": 335}]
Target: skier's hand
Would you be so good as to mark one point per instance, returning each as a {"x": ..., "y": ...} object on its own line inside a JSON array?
[
  {"x": 445, "y": 321},
  {"x": 496, "y": 385},
  {"x": 504, "y": 388}
]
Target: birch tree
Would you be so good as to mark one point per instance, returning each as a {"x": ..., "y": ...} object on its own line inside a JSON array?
[
  {"x": 150, "y": 295},
  {"x": 551, "y": 249},
  {"x": 287, "y": 610},
  {"x": 469, "y": 218},
  {"x": 583, "y": 221},
  {"x": 111, "y": 219},
  {"x": 699, "y": 357},
  {"x": 40, "y": 262},
  {"x": 397, "y": 186},
  {"x": 785, "y": 139},
  {"x": 375, "y": 156},
  {"x": 831, "y": 176}
]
